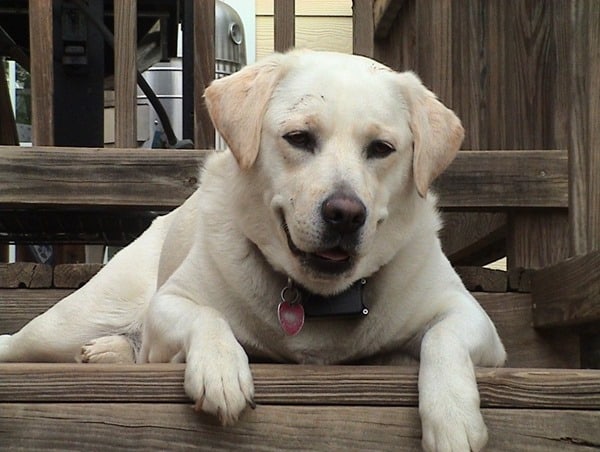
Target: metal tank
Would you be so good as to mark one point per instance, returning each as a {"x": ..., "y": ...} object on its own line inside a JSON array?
[
  {"x": 166, "y": 78},
  {"x": 230, "y": 45}
]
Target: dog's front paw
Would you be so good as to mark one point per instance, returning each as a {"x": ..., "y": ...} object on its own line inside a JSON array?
[
  {"x": 453, "y": 424},
  {"x": 218, "y": 379}
]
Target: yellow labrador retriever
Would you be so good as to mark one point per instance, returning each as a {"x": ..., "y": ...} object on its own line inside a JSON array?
[{"x": 313, "y": 240}]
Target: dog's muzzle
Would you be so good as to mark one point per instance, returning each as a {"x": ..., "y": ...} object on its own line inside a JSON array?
[{"x": 343, "y": 216}]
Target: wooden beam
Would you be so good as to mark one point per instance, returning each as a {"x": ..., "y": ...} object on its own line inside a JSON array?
[
  {"x": 384, "y": 15},
  {"x": 76, "y": 177},
  {"x": 279, "y": 384},
  {"x": 284, "y": 19},
  {"x": 42, "y": 81},
  {"x": 204, "y": 70},
  {"x": 125, "y": 73},
  {"x": 568, "y": 293},
  {"x": 502, "y": 179},
  {"x": 363, "y": 28},
  {"x": 61, "y": 177},
  {"x": 25, "y": 275},
  {"x": 584, "y": 145}
]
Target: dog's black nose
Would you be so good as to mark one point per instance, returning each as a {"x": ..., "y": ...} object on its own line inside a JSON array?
[{"x": 344, "y": 212}]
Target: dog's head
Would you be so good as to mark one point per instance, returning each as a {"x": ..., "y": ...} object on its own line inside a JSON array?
[{"x": 339, "y": 150}]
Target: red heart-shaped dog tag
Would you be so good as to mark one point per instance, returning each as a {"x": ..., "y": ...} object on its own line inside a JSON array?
[{"x": 291, "y": 317}]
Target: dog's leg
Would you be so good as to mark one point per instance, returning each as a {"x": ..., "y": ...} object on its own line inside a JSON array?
[
  {"x": 448, "y": 396},
  {"x": 217, "y": 374}
]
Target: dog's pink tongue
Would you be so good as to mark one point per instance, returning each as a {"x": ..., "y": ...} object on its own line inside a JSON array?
[{"x": 333, "y": 255}]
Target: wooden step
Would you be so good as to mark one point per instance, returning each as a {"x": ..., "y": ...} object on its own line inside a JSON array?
[{"x": 70, "y": 406}]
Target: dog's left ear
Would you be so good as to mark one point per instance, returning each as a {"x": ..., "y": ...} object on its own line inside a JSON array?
[
  {"x": 237, "y": 104},
  {"x": 437, "y": 132}
]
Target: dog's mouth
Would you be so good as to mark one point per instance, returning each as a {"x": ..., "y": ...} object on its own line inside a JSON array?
[{"x": 333, "y": 261}]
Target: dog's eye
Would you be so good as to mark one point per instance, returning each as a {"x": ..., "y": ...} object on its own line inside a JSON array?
[
  {"x": 379, "y": 149},
  {"x": 301, "y": 140}
]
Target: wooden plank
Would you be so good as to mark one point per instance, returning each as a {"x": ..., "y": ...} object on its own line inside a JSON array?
[
  {"x": 434, "y": 53},
  {"x": 116, "y": 177},
  {"x": 363, "y": 28},
  {"x": 584, "y": 155},
  {"x": 510, "y": 312},
  {"x": 73, "y": 276},
  {"x": 584, "y": 145},
  {"x": 532, "y": 89},
  {"x": 125, "y": 73},
  {"x": 514, "y": 179},
  {"x": 25, "y": 275},
  {"x": 284, "y": 25},
  {"x": 204, "y": 71},
  {"x": 19, "y": 306},
  {"x": 568, "y": 293},
  {"x": 42, "y": 81},
  {"x": 536, "y": 239},
  {"x": 384, "y": 15},
  {"x": 289, "y": 384},
  {"x": 78, "y": 426},
  {"x": 74, "y": 177}
]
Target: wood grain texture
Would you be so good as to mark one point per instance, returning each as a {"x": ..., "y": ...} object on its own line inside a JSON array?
[
  {"x": 73, "y": 276},
  {"x": 510, "y": 312},
  {"x": 363, "y": 28},
  {"x": 122, "y": 426},
  {"x": 568, "y": 293},
  {"x": 19, "y": 306},
  {"x": 284, "y": 28},
  {"x": 504, "y": 67},
  {"x": 42, "y": 76},
  {"x": 584, "y": 156},
  {"x": 204, "y": 71},
  {"x": 288, "y": 384},
  {"x": 25, "y": 275},
  {"x": 71, "y": 177},
  {"x": 513, "y": 180},
  {"x": 77, "y": 176},
  {"x": 125, "y": 73},
  {"x": 316, "y": 33},
  {"x": 537, "y": 239}
]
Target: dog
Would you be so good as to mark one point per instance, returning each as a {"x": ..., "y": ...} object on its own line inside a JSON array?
[{"x": 313, "y": 239}]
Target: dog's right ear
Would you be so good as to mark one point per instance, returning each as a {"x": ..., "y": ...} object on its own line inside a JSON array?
[{"x": 237, "y": 103}]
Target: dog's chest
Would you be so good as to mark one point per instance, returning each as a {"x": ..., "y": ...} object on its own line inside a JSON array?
[{"x": 321, "y": 341}]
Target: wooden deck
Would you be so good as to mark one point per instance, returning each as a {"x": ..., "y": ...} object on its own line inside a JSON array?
[{"x": 75, "y": 407}]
